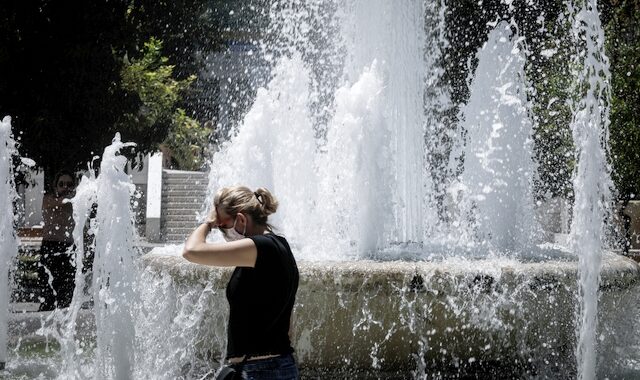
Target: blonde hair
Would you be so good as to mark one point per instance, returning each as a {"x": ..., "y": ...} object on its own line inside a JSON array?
[{"x": 258, "y": 204}]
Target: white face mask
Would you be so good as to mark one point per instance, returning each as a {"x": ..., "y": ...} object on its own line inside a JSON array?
[{"x": 230, "y": 234}]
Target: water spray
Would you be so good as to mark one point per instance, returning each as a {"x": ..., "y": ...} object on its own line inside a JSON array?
[{"x": 8, "y": 240}]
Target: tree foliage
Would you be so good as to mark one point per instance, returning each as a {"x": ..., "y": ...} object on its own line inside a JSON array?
[
  {"x": 151, "y": 79},
  {"x": 623, "y": 48},
  {"x": 545, "y": 26},
  {"x": 59, "y": 77},
  {"x": 552, "y": 82},
  {"x": 76, "y": 72},
  {"x": 192, "y": 31},
  {"x": 187, "y": 141}
]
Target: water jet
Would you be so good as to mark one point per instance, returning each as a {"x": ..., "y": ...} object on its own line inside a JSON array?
[{"x": 409, "y": 266}]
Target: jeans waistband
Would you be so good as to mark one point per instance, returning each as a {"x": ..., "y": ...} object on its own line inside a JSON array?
[{"x": 269, "y": 363}]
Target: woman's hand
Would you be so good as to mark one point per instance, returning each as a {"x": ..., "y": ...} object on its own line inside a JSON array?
[{"x": 212, "y": 224}]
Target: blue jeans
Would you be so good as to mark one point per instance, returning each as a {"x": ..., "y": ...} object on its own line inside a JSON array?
[{"x": 281, "y": 368}]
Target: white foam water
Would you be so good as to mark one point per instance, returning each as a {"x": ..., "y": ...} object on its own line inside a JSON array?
[
  {"x": 354, "y": 183},
  {"x": 591, "y": 181},
  {"x": 275, "y": 148},
  {"x": 113, "y": 289},
  {"x": 497, "y": 202},
  {"x": 363, "y": 181},
  {"x": 8, "y": 239}
]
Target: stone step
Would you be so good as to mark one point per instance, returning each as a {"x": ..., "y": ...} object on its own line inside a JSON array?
[
  {"x": 176, "y": 234},
  {"x": 198, "y": 175},
  {"x": 190, "y": 186},
  {"x": 186, "y": 200},
  {"x": 186, "y": 180},
  {"x": 174, "y": 238},
  {"x": 178, "y": 211},
  {"x": 184, "y": 218},
  {"x": 191, "y": 224},
  {"x": 183, "y": 196},
  {"x": 184, "y": 193},
  {"x": 178, "y": 230},
  {"x": 185, "y": 186},
  {"x": 179, "y": 216},
  {"x": 187, "y": 219},
  {"x": 201, "y": 180},
  {"x": 195, "y": 176},
  {"x": 171, "y": 202},
  {"x": 181, "y": 228},
  {"x": 189, "y": 205},
  {"x": 190, "y": 218},
  {"x": 183, "y": 173}
]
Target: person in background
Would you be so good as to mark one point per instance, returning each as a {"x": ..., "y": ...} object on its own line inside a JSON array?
[
  {"x": 262, "y": 288},
  {"x": 57, "y": 269}
]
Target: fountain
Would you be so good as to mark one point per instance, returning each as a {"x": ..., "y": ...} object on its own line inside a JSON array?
[
  {"x": 8, "y": 240},
  {"x": 498, "y": 168},
  {"x": 591, "y": 183},
  {"x": 404, "y": 273},
  {"x": 390, "y": 286},
  {"x": 114, "y": 286},
  {"x": 100, "y": 343}
]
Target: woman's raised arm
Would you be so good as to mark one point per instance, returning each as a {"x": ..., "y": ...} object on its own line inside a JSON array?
[{"x": 240, "y": 253}]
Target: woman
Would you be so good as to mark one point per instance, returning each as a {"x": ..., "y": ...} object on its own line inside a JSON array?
[
  {"x": 262, "y": 288},
  {"x": 57, "y": 271}
]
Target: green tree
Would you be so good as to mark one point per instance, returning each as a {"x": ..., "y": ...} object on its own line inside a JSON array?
[
  {"x": 623, "y": 49},
  {"x": 187, "y": 141},
  {"x": 59, "y": 77},
  {"x": 552, "y": 82},
  {"x": 150, "y": 79},
  {"x": 192, "y": 31},
  {"x": 62, "y": 77}
]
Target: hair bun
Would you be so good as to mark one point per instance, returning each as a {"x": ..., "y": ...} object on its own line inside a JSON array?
[{"x": 267, "y": 201}]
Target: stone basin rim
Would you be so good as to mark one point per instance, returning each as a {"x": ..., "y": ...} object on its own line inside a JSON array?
[{"x": 617, "y": 270}]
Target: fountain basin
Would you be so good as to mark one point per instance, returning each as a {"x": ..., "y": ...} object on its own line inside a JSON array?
[{"x": 398, "y": 316}]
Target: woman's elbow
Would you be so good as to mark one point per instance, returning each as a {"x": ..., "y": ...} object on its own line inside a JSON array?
[
  {"x": 193, "y": 251},
  {"x": 187, "y": 254}
]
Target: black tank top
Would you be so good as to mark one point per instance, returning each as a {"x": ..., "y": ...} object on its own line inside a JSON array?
[{"x": 261, "y": 300}]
